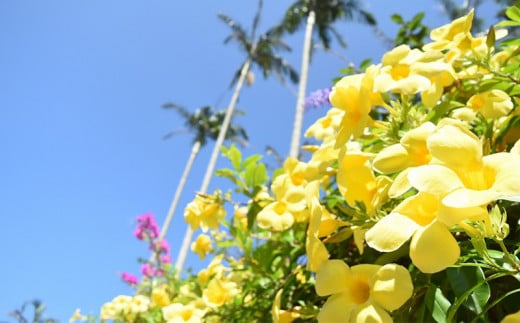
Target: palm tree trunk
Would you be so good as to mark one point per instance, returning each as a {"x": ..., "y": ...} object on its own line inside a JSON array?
[
  {"x": 183, "y": 252},
  {"x": 302, "y": 87},
  {"x": 180, "y": 187}
]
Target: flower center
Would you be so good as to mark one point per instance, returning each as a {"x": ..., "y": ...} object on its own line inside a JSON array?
[
  {"x": 280, "y": 208},
  {"x": 359, "y": 291},
  {"x": 400, "y": 71},
  {"x": 479, "y": 179}
]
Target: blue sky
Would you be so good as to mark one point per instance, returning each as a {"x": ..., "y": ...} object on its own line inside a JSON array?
[{"x": 81, "y": 85}]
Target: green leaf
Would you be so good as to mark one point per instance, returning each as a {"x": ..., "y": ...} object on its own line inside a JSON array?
[
  {"x": 251, "y": 160},
  {"x": 397, "y": 18},
  {"x": 256, "y": 175},
  {"x": 437, "y": 303},
  {"x": 231, "y": 175},
  {"x": 465, "y": 278},
  {"x": 508, "y": 23},
  {"x": 234, "y": 155},
  {"x": 513, "y": 13}
]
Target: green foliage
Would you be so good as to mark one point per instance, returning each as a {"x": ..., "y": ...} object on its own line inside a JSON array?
[{"x": 412, "y": 33}]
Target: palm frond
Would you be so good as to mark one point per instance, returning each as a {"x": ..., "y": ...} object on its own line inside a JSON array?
[{"x": 256, "y": 19}]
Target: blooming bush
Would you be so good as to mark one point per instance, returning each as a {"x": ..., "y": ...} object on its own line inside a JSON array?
[{"x": 408, "y": 215}]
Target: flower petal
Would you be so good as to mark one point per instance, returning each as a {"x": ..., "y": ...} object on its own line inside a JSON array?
[
  {"x": 400, "y": 185},
  {"x": 464, "y": 198},
  {"x": 370, "y": 313},
  {"x": 454, "y": 145},
  {"x": 434, "y": 179},
  {"x": 332, "y": 277},
  {"x": 392, "y": 286},
  {"x": 391, "y": 159},
  {"x": 391, "y": 232},
  {"x": 336, "y": 309},
  {"x": 434, "y": 248}
]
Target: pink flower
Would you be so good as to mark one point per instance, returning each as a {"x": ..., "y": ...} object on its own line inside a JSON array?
[
  {"x": 147, "y": 228},
  {"x": 148, "y": 270},
  {"x": 129, "y": 279},
  {"x": 166, "y": 259},
  {"x": 161, "y": 247}
]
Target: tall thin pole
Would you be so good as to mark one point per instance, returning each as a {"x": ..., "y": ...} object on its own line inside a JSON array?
[
  {"x": 183, "y": 252},
  {"x": 302, "y": 87}
]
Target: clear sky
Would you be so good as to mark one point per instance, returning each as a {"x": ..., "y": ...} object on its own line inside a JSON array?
[{"x": 81, "y": 85}]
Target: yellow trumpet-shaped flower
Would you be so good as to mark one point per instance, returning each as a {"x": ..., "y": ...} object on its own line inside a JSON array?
[
  {"x": 205, "y": 211},
  {"x": 511, "y": 318},
  {"x": 361, "y": 293},
  {"x": 159, "y": 296},
  {"x": 202, "y": 246},
  {"x": 180, "y": 313},
  {"x": 461, "y": 174},
  {"x": 491, "y": 104},
  {"x": 315, "y": 249},
  {"x": 279, "y": 315},
  {"x": 219, "y": 292},
  {"x": 355, "y": 95},
  {"x": 358, "y": 183},
  {"x": 410, "y": 151},
  {"x": 409, "y": 71},
  {"x": 214, "y": 269},
  {"x": 426, "y": 221},
  {"x": 443, "y": 36},
  {"x": 326, "y": 126}
]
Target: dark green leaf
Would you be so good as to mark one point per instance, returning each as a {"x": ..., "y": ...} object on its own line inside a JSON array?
[
  {"x": 437, "y": 303},
  {"x": 463, "y": 279}
]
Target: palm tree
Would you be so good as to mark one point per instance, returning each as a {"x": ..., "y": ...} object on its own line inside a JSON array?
[
  {"x": 205, "y": 124},
  {"x": 320, "y": 15},
  {"x": 260, "y": 51},
  {"x": 39, "y": 308}
]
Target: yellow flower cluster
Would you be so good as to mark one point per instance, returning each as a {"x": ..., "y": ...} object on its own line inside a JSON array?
[
  {"x": 124, "y": 307},
  {"x": 437, "y": 175}
]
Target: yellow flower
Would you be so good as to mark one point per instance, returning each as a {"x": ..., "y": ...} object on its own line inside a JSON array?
[
  {"x": 444, "y": 36},
  {"x": 424, "y": 219},
  {"x": 511, "y": 318},
  {"x": 491, "y": 104},
  {"x": 214, "y": 269},
  {"x": 461, "y": 175},
  {"x": 290, "y": 204},
  {"x": 139, "y": 304},
  {"x": 357, "y": 182},
  {"x": 275, "y": 216},
  {"x": 279, "y": 315},
  {"x": 76, "y": 316},
  {"x": 410, "y": 151},
  {"x": 160, "y": 297},
  {"x": 205, "y": 211},
  {"x": 108, "y": 311},
  {"x": 315, "y": 249},
  {"x": 240, "y": 217},
  {"x": 327, "y": 126},
  {"x": 361, "y": 293},
  {"x": 180, "y": 313},
  {"x": 409, "y": 71},
  {"x": 219, "y": 292},
  {"x": 355, "y": 95},
  {"x": 201, "y": 246}
]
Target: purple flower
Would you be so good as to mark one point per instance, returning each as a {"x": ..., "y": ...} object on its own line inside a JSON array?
[
  {"x": 317, "y": 99},
  {"x": 147, "y": 228},
  {"x": 129, "y": 279},
  {"x": 160, "y": 247}
]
